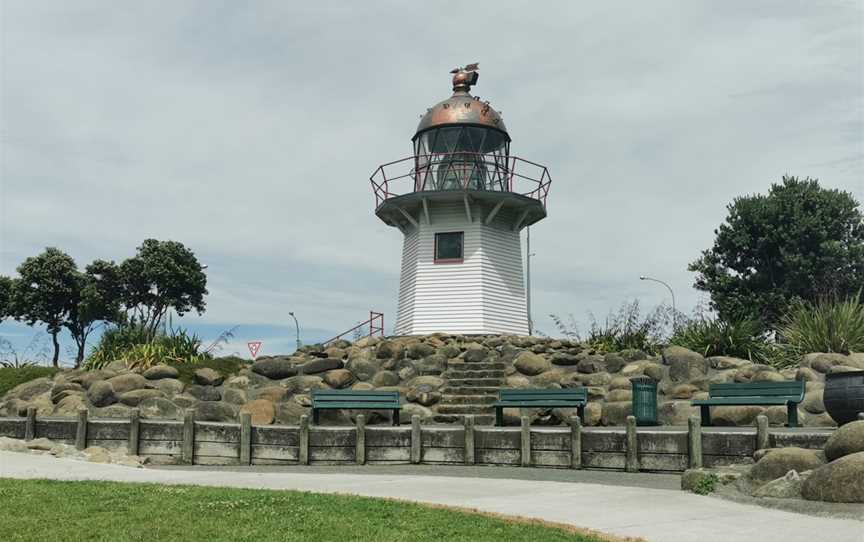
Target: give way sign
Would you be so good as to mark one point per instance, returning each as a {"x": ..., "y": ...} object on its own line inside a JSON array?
[{"x": 254, "y": 347}]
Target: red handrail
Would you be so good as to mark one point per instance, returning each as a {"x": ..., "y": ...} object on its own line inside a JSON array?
[{"x": 375, "y": 323}]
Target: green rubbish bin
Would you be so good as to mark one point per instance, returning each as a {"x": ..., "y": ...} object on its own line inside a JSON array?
[{"x": 644, "y": 400}]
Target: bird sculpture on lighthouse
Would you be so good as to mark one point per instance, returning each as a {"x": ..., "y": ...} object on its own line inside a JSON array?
[{"x": 461, "y": 201}]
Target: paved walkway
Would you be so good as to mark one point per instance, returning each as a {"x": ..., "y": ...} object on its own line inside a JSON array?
[{"x": 660, "y": 515}]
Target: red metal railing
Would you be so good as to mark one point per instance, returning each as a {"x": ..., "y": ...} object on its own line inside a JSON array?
[
  {"x": 460, "y": 171},
  {"x": 375, "y": 323}
]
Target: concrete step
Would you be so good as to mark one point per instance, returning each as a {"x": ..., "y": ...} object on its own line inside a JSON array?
[
  {"x": 450, "y": 399},
  {"x": 459, "y": 374},
  {"x": 474, "y": 382},
  {"x": 479, "y": 419},
  {"x": 471, "y": 390},
  {"x": 466, "y": 409}
]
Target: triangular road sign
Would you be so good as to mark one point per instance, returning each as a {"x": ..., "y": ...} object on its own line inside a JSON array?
[{"x": 254, "y": 346}]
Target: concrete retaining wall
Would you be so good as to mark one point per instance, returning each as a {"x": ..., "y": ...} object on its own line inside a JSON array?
[{"x": 666, "y": 449}]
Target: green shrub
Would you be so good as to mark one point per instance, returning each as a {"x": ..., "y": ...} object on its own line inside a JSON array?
[
  {"x": 13, "y": 376},
  {"x": 714, "y": 337},
  {"x": 135, "y": 345},
  {"x": 828, "y": 325},
  {"x": 707, "y": 484},
  {"x": 624, "y": 329}
]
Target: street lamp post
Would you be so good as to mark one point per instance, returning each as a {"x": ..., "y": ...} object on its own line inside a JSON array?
[
  {"x": 674, "y": 311},
  {"x": 528, "y": 255},
  {"x": 297, "y": 327}
]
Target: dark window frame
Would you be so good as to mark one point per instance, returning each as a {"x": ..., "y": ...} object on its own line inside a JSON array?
[{"x": 438, "y": 260}]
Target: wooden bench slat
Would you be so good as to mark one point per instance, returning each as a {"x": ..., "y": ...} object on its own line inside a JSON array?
[
  {"x": 365, "y": 406},
  {"x": 753, "y": 393}
]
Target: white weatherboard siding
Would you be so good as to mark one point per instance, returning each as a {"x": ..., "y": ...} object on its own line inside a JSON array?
[{"x": 483, "y": 294}]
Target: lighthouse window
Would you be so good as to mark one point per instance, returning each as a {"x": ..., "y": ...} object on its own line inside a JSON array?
[{"x": 449, "y": 247}]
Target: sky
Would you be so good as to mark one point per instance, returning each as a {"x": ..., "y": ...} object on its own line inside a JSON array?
[{"x": 248, "y": 131}]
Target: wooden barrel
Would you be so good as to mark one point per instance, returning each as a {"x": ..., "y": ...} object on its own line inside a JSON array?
[{"x": 844, "y": 396}]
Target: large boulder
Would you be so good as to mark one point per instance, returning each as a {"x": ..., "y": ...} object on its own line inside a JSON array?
[
  {"x": 204, "y": 393},
  {"x": 363, "y": 370},
  {"x": 272, "y": 393},
  {"x": 263, "y": 411},
  {"x": 338, "y": 378},
  {"x": 848, "y": 439},
  {"x": 69, "y": 405},
  {"x": 813, "y": 402},
  {"x": 722, "y": 363},
  {"x": 389, "y": 350},
  {"x": 776, "y": 463},
  {"x": 304, "y": 384},
  {"x": 275, "y": 368},
  {"x": 235, "y": 396},
  {"x": 684, "y": 365},
  {"x": 419, "y": 350},
  {"x": 614, "y": 362},
  {"x": 159, "y": 408},
  {"x": 29, "y": 390},
  {"x": 475, "y": 353},
  {"x": 60, "y": 391},
  {"x": 158, "y": 372},
  {"x": 786, "y": 487},
  {"x": 676, "y": 412},
  {"x": 385, "y": 378},
  {"x": 135, "y": 397},
  {"x": 215, "y": 411},
  {"x": 208, "y": 377},
  {"x": 411, "y": 409},
  {"x": 565, "y": 359},
  {"x": 321, "y": 365},
  {"x": 735, "y": 415},
  {"x": 170, "y": 386},
  {"x": 128, "y": 382},
  {"x": 101, "y": 394},
  {"x": 839, "y": 481},
  {"x": 531, "y": 364},
  {"x": 592, "y": 364},
  {"x": 615, "y": 413}
]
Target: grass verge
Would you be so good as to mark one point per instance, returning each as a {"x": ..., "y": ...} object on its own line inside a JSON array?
[{"x": 108, "y": 511}]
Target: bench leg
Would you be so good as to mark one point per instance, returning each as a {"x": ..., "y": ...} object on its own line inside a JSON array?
[
  {"x": 580, "y": 411},
  {"x": 705, "y": 411},
  {"x": 395, "y": 417},
  {"x": 792, "y": 415},
  {"x": 499, "y": 416},
  {"x": 315, "y": 413}
]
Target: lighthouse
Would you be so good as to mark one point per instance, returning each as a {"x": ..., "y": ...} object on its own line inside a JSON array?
[{"x": 461, "y": 201}]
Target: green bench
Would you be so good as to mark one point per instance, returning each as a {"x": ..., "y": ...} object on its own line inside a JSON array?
[
  {"x": 564, "y": 398},
  {"x": 355, "y": 400},
  {"x": 754, "y": 393}
]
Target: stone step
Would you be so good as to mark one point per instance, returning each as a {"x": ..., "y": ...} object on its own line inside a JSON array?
[
  {"x": 479, "y": 419},
  {"x": 478, "y": 366},
  {"x": 453, "y": 373},
  {"x": 474, "y": 382},
  {"x": 466, "y": 409},
  {"x": 449, "y": 399},
  {"x": 471, "y": 390}
]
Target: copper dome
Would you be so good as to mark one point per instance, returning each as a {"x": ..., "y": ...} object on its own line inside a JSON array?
[{"x": 461, "y": 107}]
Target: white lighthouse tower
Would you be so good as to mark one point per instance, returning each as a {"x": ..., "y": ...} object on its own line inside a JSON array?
[{"x": 461, "y": 202}]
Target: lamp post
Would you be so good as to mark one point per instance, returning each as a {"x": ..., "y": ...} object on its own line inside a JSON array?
[
  {"x": 674, "y": 311},
  {"x": 528, "y": 255},
  {"x": 297, "y": 327}
]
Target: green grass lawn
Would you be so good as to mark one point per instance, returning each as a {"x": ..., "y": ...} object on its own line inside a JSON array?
[{"x": 48, "y": 510}]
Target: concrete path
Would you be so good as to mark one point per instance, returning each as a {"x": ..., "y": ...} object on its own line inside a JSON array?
[{"x": 659, "y": 515}]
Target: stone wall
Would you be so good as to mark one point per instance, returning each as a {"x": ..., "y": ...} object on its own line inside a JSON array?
[{"x": 440, "y": 378}]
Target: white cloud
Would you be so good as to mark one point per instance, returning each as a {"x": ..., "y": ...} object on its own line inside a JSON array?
[{"x": 248, "y": 131}]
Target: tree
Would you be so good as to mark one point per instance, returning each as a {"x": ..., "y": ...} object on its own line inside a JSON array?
[
  {"x": 96, "y": 300},
  {"x": 6, "y": 298},
  {"x": 45, "y": 291},
  {"x": 800, "y": 242},
  {"x": 162, "y": 275}
]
